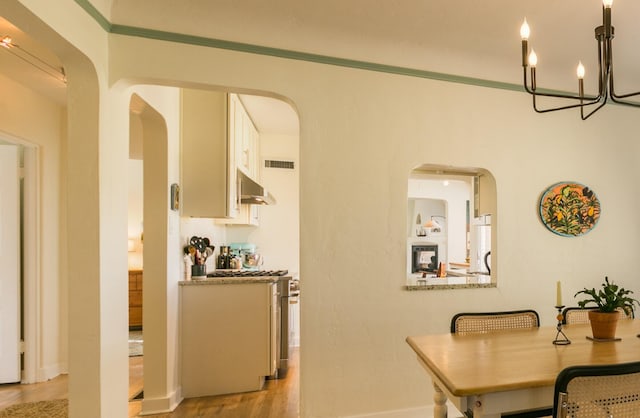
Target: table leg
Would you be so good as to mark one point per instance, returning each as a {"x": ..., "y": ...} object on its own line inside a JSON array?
[{"x": 440, "y": 403}]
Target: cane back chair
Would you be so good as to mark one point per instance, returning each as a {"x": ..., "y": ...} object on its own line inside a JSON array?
[
  {"x": 601, "y": 391},
  {"x": 480, "y": 322},
  {"x": 484, "y": 322}
]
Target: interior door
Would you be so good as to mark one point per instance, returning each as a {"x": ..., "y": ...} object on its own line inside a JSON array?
[{"x": 9, "y": 265}]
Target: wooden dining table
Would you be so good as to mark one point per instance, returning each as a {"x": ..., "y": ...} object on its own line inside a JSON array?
[{"x": 512, "y": 371}]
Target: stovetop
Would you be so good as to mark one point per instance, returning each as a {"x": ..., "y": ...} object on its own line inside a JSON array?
[{"x": 247, "y": 273}]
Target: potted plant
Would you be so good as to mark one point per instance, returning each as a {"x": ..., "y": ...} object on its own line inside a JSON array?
[{"x": 608, "y": 301}]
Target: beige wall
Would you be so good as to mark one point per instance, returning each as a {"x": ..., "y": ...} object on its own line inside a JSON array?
[
  {"x": 361, "y": 135},
  {"x": 28, "y": 117}
]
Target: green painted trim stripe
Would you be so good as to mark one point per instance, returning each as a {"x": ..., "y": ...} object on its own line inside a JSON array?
[
  {"x": 95, "y": 14},
  {"x": 304, "y": 56},
  {"x": 285, "y": 53}
]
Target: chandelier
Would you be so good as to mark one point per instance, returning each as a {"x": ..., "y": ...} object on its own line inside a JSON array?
[{"x": 588, "y": 104}]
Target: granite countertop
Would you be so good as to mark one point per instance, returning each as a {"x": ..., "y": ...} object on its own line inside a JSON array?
[
  {"x": 229, "y": 280},
  {"x": 232, "y": 280},
  {"x": 431, "y": 282}
]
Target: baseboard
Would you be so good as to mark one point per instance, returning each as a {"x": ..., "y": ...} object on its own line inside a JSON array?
[
  {"x": 161, "y": 405},
  {"x": 420, "y": 412},
  {"x": 49, "y": 372}
]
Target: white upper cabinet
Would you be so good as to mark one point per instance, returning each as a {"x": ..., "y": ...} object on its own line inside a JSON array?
[
  {"x": 217, "y": 139},
  {"x": 246, "y": 138},
  {"x": 207, "y": 156}
]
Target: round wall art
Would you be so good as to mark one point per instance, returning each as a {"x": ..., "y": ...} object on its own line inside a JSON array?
[{"x": 569, "y": 209}]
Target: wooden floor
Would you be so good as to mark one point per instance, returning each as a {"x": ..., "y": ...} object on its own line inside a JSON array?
[{"x": 278, "y": 399}]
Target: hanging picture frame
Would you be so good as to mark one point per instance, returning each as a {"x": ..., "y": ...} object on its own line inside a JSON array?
[{"x": 569, "y": 209}]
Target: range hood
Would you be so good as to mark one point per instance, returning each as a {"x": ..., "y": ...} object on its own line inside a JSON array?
[{"x": 252, "y": 193}]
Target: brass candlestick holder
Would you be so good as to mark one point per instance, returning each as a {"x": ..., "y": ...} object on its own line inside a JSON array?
[{"x": 561, "y": 338}]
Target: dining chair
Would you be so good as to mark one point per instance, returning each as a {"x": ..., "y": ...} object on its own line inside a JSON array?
[
  {"x": 481, "y": 322},
  {"x": 577, "y": 315},
  {"x": 485, "y": 322},
  {"x": 598, "y": 391}
]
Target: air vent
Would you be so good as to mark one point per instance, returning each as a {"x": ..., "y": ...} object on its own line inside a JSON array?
[{"x": 279, "y": 164}]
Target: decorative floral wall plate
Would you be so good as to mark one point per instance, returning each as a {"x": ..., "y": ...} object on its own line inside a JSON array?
[{"x": 569, "y": 209}]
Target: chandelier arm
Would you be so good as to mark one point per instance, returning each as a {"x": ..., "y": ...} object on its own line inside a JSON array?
[
  {"x": 568, "y": 96},
  {"x": 572, "y": 106},
  {"x": 533, "y": 91},
  {"x": 615, "y": 99},
  {"x": 583, "y": 117}
]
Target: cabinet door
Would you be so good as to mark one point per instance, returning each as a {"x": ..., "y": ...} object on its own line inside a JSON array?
[
  {"x": 235, "y": 352},
  {"x": 241, "y": 133},
  {"x": 254, "y": 146},
  {"x": 208, "y": 171}
]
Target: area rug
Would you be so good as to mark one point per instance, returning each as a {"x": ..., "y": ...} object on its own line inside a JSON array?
[
  {"x": 135, "y": 343},
  {"x": 49, "y": 409}
]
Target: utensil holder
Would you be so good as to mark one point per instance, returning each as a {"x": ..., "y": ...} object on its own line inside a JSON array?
[{"x": 198, "y": 271}]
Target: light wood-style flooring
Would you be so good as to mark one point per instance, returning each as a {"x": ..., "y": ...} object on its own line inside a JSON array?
[{"x": 278, "y": 399}]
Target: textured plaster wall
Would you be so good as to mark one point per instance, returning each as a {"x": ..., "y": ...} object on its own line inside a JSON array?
[{"x": 361, "y": 135}]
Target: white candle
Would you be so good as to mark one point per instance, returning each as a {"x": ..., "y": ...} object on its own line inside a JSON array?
[{"x": 558, "y": 294}]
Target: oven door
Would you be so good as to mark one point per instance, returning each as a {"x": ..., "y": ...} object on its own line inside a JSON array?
[{"x": 424, "y": 258}]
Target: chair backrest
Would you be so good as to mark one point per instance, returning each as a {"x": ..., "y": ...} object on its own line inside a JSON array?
[
  {"x": 480, "y": 322},
  {"x": 577, "y": 315},
  {"x": 598, "y": 391}
]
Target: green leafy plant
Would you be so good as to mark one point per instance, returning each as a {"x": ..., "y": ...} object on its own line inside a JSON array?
[{"x": 609, "y": 298}]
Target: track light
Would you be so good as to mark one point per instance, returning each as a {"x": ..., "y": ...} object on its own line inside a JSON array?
[{"x": 58, "y": 73}]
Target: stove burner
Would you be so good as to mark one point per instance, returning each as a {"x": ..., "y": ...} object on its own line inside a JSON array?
[{"x": 247, "y": 273}]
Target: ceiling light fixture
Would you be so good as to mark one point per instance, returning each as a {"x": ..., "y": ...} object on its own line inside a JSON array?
[
  {"x": 604, "y": 36},
  {"x": 58, "y": 73}
]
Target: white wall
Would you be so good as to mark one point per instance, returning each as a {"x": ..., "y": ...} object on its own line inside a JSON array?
[
  {"x": 29, "y": 117},
  {"x": 361, "y": 134}
]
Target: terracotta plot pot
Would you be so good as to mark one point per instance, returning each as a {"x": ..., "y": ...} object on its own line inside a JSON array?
[{"x": 603, "y": 324}]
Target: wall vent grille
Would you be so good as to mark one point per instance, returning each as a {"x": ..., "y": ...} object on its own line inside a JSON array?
[{"x": 279, "y": 164}]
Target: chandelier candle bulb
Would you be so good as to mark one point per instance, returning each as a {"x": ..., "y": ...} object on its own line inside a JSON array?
[
  {"x": 580, "y": 73},
  {"x": 533, "y": 59},
  {"x": 524, "y": 30},
  {"x": 558, "y": 293},
  {"x": 524, "y": 34},
  {"x": 580, "y": 70}
]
